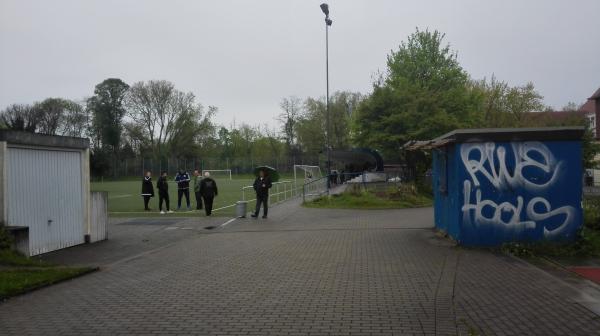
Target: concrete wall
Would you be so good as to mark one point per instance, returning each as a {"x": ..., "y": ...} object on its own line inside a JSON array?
[
  {"x": 3, "y": 186},
  {"x": 99, "y": 216},
  {"x": 509, "y": 191}
]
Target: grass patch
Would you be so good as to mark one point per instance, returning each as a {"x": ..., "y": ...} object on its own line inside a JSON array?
[
  {"x": 391, "y": 198},
  {"x": 13, "y": 258},
  {"x": 20, "y": 274},
  {"x": 124, "y": 199},
  {"x": 586, "y": 245},
  {"x": 18, "y": 281}
]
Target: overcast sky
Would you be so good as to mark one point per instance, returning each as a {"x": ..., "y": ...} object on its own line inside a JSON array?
[{"x": 245, "y": 56}]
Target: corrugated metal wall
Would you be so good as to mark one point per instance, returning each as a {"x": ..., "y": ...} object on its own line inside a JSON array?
[
  {"x": 99, "y": 216},
  {"x": 45, "y": 194}
]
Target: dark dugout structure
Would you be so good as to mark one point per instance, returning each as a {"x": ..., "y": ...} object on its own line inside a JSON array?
[{"x": 356, "y": 160}]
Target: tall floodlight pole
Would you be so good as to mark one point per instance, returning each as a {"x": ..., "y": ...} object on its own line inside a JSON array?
[{"x": 328, "y": 22}]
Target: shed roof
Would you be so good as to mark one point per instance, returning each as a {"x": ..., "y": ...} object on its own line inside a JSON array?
[
  {"x": 500, "y": 134},
  {"x": 43, "y": 140}
]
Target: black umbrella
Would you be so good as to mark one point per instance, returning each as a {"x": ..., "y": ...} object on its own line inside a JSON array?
[{"x": 269, "y": 171}]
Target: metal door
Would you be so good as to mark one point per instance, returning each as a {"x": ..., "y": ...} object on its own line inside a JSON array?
[{"x": 45, "y": 194}]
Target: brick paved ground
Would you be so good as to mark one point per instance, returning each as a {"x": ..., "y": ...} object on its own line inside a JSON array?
[{"x": 308, "y": 271}]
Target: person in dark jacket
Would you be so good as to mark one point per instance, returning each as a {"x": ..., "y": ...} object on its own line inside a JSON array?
[
  {"x": 183, "y": 188},
  {"x": 208, "y": 190},
  {"x": 262, "y": 184},
  {"x": 147, "y": 189},
  {"x": 197, "y": 180},
  {"x": 163, "y": 192}
]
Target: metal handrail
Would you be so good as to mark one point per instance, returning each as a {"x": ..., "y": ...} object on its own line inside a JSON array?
[
  {"x": 312, "y": 188},
  {"x": 279, "y": 192},
  {"x": 288, "y": 188}
]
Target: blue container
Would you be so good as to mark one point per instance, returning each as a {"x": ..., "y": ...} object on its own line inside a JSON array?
[{"x": 493, "y": 186}]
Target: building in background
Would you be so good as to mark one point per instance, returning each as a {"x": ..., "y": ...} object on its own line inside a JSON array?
[{"x": 591, "y": 109}]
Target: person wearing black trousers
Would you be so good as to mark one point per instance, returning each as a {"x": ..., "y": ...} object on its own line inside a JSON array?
[
  {"x": 183, "y": 188},
  {"x": 262, "y": 184},
  {"x": 197, "y": 193},
  {"x": 208, "y": 190},
  {"x": 147, "y": 190},
  {"x": 163, "y": 192}
]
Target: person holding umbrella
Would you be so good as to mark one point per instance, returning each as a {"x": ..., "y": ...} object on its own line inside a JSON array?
[
  {"x": 262, "y": 184},
  {"x": 147, "y": 189}
]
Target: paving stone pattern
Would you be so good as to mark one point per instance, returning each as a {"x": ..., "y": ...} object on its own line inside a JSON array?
[{"x": 307, "y": 272}]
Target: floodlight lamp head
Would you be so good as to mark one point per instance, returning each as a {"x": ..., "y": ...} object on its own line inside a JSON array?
[
  {"x": 325, "y": 9},
  {"x": 328, "y": 21}
]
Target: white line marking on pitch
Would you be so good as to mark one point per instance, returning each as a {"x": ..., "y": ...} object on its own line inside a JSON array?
[
  {"x": 119, "y": 196},
  {"x": 228, "y": 222}
]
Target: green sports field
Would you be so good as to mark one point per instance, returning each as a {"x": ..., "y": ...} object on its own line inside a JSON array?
[{"x": 124, "y": 199}]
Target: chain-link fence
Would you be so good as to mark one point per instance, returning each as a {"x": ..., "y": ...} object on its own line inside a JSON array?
[{"x": 137, "y": 166}]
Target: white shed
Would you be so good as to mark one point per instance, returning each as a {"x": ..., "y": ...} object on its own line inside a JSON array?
[{"x": 45, "y": 190}]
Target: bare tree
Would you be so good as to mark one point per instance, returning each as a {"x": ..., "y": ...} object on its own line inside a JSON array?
[
  {"x": 148, "y": 105},
  {"x": 292, "y": 109},
  {"x": 20, "y": 117},
  {"x": 75, "y": 121},
  {"x": 166, "y": 115}
]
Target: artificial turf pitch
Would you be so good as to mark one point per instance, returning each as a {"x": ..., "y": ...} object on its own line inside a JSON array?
[{"x": 124, "y": 199}]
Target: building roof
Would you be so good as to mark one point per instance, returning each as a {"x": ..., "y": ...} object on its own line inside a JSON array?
[
  {"x": 557, "y": 115},
  {"x": 500, "y": 134},
  {"x": 596, "y": 94},
  {"x": 589, "y": 106},
  {"x": 43, "y": 140}
]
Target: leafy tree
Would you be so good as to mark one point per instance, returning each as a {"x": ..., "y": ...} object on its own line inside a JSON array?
[
  {"x": 106, "y": 107},
  {"x": 424, "y": 93},
  {"x": 311, "y": 126},
  {"x": 571, "y": 106},
  {"x": 311, "y": 129},
  {"x": 506, "y": 106},
  {"x": 522, "y": 100}
]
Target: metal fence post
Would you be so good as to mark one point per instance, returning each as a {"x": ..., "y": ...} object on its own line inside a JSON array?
[{"x": 303, "y": 193}]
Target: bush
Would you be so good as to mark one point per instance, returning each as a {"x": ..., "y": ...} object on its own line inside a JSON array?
[
  {"x": 6, "y": 240},
  {"x": 591, "y": 212},
  {"x": 586, "y": 245}
]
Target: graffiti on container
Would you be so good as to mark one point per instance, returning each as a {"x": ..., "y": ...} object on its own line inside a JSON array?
[{"x": 530, "y": 167}]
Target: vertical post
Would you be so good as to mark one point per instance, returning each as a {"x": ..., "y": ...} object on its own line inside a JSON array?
[
  {"x": 303, "y": 193},
  {"x": 327, "y": 103},
  {"x": 3, "y": 183},
  {"x": 85, "y": 190}
]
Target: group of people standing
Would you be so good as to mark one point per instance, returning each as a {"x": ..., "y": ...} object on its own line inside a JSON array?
[{"x": 205, "y": 190}]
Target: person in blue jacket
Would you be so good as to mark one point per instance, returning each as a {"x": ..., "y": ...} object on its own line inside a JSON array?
[{"x": 183, "y": 188}]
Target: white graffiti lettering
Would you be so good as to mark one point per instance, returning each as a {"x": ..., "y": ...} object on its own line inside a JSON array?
[
  {"x": 524, "y": 157},
  {"x": 534, "y": 168},
  {"x": 498, "y": 209}
]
